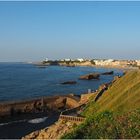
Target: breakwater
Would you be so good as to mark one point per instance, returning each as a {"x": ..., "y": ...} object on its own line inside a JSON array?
[{"x": 44, "y": 104}]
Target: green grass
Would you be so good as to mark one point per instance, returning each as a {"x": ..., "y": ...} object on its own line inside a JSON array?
[
  {"x": 116, "y": 114},
  {"x": 124, "y": 95}
]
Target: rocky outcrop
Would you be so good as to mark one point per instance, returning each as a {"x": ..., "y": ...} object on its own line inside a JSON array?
[
  {"x": 55, "y": 131},
  {"x": 69, "y": 82},
  {"x": 108, "y": 73},
  {"x": 90, "y": 76}
]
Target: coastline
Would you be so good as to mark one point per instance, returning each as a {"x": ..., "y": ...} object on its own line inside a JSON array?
[{"x": 85, "y": 64}]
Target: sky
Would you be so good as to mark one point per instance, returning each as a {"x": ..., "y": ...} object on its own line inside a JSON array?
[{"x": 33, "y": 31}]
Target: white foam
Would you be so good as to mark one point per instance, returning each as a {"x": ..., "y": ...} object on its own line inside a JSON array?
[{"x": 37, "y": 120}]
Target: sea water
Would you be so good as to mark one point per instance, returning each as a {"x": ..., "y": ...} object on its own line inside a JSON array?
[{"x": 24, "y": 81}]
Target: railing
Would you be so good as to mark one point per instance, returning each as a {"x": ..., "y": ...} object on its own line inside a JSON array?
[
  {"x": 65, "y": 115},
  {"x": 71, "y": 118}
]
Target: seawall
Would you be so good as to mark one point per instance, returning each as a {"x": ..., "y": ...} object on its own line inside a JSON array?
[{"x": 44, "y": 104}]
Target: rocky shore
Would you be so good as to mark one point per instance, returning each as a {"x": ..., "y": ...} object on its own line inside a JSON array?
[{"x": 55, "y": 131}]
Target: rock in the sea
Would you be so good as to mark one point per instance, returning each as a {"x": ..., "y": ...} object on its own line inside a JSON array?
[
  {"x": 90, "y": 76},
  {"x": 69, "y": 82},
  {"x": 108, "y": 73}
]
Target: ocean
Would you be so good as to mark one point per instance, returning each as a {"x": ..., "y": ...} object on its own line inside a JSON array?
[{"x": 25, "y": 81}]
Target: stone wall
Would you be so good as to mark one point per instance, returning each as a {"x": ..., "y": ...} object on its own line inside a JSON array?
[
  {"x": 55, "y": 103},
  {"x": 31, "y": 106}
]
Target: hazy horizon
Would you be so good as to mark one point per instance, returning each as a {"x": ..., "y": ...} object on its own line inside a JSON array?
[{"x": 32, "y": 31}]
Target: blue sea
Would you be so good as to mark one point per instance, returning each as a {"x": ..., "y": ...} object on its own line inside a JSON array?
[{"x": 24, "y": 81}]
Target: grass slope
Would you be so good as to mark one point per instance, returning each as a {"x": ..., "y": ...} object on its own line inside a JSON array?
[
  {"x": 122, "y": 96},
  {"x": 116, "y": 114}
]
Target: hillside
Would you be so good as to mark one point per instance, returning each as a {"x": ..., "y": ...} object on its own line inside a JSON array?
[{"x": 116, "y": 114}]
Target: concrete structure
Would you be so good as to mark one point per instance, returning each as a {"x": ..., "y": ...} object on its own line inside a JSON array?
[{"x": 46, "y": 104}]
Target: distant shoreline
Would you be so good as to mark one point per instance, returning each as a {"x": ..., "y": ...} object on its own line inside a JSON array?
[
  {"x": 124, "y": 67},
  {"x": 40, "y": 63}
]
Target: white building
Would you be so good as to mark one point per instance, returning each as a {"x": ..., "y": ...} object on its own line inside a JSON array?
[
  {"x": 98, "y": 62},
  {"x": 80, "y": 59},
  {"x": 67, "y": 60},
  {"x": 104, "y": 62},
  {"x": 46, "y": 60}
]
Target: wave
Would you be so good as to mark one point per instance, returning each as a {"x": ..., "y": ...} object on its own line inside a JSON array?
[{"x": 37, "y": 120}]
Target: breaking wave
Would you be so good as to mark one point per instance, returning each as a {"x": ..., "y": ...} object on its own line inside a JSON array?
[{"x": 37, "y": 120}]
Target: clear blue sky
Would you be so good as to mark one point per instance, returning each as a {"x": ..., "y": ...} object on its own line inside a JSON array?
[{"x": 31, "y": 31}]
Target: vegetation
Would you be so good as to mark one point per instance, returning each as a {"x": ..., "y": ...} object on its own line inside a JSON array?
[{"x": 116, "y": 115}]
